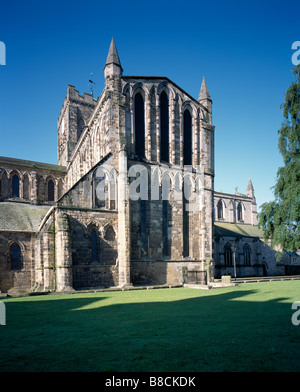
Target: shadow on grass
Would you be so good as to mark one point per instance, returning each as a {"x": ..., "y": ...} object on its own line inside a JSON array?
[{"x": 150, "y": 330}]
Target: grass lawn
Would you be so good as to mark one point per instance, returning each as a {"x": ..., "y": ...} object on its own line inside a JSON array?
[{"x": 244, "y": 328}]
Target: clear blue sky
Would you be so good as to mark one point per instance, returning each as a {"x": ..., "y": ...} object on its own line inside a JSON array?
[{"x": 243, "y": 48}]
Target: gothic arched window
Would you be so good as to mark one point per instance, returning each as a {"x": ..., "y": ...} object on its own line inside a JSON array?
[
  {"x": 239, "y": 212},
  {"x": 139, "y": 120},
  {"x": 228, "y": 255},
  {"x": 220, "y": 209},
  {"x": 187, "y": 138},
  {"x": 15, "y": 257},
  {"x": 247, "y": 254},
  {"x": 15, "y": 186},
  {"x": 164, "y": 127},
  {"x": 50, "y": 189}
]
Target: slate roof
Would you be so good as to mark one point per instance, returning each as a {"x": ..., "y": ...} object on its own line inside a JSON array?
[
  {"x": 236, "y": 230},
  {"x": 21, "y": 217}
]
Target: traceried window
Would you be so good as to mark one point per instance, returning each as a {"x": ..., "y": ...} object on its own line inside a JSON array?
[
  {"x": 139, "y": 120},
  {"x": 164, "y": 127}
]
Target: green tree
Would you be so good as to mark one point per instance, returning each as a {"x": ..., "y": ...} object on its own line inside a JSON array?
[{"x": 279, "y": 219}]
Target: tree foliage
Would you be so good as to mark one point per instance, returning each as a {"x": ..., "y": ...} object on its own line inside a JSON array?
[{"x": 280, "y": 218}]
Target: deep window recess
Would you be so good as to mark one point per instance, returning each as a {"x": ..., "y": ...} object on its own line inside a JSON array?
[
  {"x": 15, "y": 186},
  {"x": 139, "y": 118},
  {"x": 164, "y": 127},
  {"x": 228, "y": 255},
  {"x": 50, "y": 190},
  {"x": 187, "y": 138},
  {"x": 220, "y": 209},
  {"x": 15, "y": 257}
]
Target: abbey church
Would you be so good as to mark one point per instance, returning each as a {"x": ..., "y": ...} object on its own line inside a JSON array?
[{"x": 131, "y": 200}]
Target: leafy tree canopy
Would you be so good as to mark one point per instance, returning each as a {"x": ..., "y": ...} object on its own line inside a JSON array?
[{"x": 280, "y": 218}]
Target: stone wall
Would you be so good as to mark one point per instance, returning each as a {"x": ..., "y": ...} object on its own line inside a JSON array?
[
  {"x": 20, "y": 277},
  {"x": 31, "y": 181},
  {"x": 262, "y": 260},
  {"x": 157, "y": 272},
  {"x": 230, "y": 204}
]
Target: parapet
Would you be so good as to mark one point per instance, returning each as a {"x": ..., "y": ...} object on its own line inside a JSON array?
[
  {"x": 86, "y": 98},
  {"x": 74, "y": 96}
]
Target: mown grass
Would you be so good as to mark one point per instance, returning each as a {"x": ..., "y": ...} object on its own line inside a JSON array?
[{"x": 245, "y": 328}]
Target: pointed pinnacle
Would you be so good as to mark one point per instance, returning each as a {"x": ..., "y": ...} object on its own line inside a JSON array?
[
  {"x": 250, "y": 189},
  {"x": 204, "y": 94},
  {"x": 113, "y": 56}
]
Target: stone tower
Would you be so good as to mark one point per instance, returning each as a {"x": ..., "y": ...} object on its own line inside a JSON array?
[{"x": 75, "y": 113}]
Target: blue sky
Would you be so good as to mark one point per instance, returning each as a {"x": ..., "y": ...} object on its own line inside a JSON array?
[{"x": 243, "y": 48}]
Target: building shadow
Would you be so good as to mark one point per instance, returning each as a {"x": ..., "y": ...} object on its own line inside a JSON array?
[{"x": 151, "y": 330}]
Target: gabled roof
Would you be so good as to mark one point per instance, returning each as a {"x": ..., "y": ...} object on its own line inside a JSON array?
[{"x": 21, "y": 217}]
